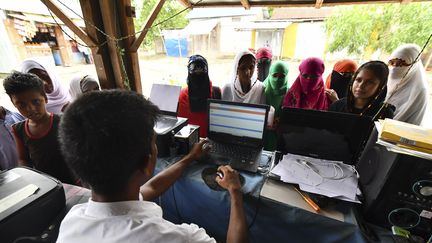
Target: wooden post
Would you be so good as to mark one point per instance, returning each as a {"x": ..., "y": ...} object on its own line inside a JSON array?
[
  {"x": 150, "y": 19},
  {"x": 109, "y": 16},
  {"x": 92, "y": 14},
  {"x": 131, "y": 59},
  {"x": 64, "y": 47}
]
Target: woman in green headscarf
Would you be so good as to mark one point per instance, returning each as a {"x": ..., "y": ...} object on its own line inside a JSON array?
[{"x": 276, "y": 86}]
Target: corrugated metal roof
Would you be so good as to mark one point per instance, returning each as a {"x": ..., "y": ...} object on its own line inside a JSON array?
[
  {"x": 201, "y": 13},
  {"x": 263, "y": 25},
  {"x": 202, "y": 27},
  {"x": 37, "y": 7},
  {"x": 301, "y": 13},
  {"x": 284, "y": 3}
]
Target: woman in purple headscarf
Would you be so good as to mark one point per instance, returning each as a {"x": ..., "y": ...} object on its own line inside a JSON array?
[{"x": 308, "y": 91}]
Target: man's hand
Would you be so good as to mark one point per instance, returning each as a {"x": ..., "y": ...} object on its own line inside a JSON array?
[
  {"x": 199, "y": 149},
  {"x": 230, "y": 180}
]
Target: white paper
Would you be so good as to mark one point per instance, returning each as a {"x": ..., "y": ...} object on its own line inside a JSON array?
[
  {"x": 319, "y": 176},
  {"x": 17, "y": 197},
  {"x": 396, "y": 149}
]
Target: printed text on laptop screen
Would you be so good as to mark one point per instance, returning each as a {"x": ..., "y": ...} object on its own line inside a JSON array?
[{"x": 237, "y": 120}]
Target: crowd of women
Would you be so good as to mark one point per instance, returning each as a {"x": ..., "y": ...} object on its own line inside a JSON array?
[{"x": 396, "y": 89}]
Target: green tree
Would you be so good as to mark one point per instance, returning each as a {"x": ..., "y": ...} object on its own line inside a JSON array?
[
  {"x": 379, "y": 26},
  {"x": 170, "y": 8}
]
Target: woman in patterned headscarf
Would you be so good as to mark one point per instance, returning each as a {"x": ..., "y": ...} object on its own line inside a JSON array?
[
  {"x": 193, "y": 99},
  {"x": 308, "y": 90}
]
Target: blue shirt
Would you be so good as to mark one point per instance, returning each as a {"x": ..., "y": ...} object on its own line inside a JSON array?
[{"x": 8, "y": 152}]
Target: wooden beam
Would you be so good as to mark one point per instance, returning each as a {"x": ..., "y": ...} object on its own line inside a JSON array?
[
  {"x": 406, "y": 1},
  {"x": 92, "y": 14},
  {"x": 150, "y": 19},
  {"x": 245, "y": 4},
  {"x": 109, "y": 17},
  {"x": 130, "y": 58},
  {"x": 185, "y": 3},
  {"x": 319, "y": 3},
  {"x": 68, "y": 22}
]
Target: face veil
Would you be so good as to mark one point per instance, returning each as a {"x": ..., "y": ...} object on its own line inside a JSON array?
[{"x": 198, "y": 83}]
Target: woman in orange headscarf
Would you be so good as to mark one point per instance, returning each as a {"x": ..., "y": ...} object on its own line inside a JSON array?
[{"x": 341, "y": 76}]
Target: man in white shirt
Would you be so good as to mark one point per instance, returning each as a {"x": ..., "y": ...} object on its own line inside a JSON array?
[{"x": 107, "y": 139}]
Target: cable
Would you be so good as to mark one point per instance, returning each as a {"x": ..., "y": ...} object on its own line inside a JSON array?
[
  {"x": 256, "y": 209},
  {"x": 131, "y": 35},
  {"x": 64, "y": 32},
  {"x": 411, "y": 65},
  {"x": 175, "y": 205}
]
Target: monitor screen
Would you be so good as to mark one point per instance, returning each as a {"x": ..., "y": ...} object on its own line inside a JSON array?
[
  {"x": 238, "y": 120},
  {"x": 324, "y": 135},
  {"x": 165, "y": 96}
]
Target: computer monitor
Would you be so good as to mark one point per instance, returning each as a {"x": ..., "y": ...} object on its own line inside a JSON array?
[
  {"x": 323, "y": 134},
  {"x": 238, "y": 120},
  {"x": 165, "y": 97}
]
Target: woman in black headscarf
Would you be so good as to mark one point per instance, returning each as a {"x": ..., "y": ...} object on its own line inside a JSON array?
[{"x": 193, "y": 99}]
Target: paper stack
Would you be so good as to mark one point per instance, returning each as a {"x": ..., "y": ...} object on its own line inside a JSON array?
[
  {"x": 329, "y": 178},
  {"x": 401, "y": 137}
]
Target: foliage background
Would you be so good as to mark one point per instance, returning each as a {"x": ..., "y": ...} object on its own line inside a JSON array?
[{"x": 363, "y": 28}]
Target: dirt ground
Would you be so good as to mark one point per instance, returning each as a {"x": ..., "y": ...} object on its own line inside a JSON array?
[{"x": 170, "y": 70}]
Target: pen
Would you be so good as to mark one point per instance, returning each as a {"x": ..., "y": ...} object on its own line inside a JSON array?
[{"x": 309, "y": 201}]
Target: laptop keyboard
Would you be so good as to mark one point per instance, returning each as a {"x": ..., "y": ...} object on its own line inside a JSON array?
[{"x": 234, "y": 151}]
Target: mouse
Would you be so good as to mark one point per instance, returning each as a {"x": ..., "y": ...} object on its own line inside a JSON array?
[{"x": 209, "y": 175}]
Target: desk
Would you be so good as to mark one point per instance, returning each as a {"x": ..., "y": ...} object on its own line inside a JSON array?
[
  {"x": 189, "y": 200},
  {"x": 279, "y": 214}
]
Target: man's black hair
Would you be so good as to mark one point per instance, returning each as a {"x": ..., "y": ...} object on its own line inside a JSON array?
[
  {"x": 18, "y": 82},
  {"x": 106, "y": 136}
]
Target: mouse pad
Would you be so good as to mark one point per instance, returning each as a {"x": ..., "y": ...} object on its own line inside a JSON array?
[{"x": 209, "y": 177}]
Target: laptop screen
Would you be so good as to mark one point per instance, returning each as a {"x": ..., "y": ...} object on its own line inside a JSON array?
[
  {"x": 165, "y": 97},
  {"x": 237, "y": 119},
  {"x": 321, "y": 134}
]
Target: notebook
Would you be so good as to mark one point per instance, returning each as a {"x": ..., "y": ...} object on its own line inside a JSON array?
[
  {"x": 236, "y": 133},
  {"x": 166, "y": 98},
  {"x": 323, "y": 134}
]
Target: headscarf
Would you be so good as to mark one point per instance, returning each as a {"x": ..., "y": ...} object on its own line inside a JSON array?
[
  {"x": 264, "y": 57},
  {"x": 338, "y": 82},
  {"x": 308, "y": 93},
  {"x": 255, "y": 93},
  {"x": 59, "y": 97},
  {"x": 275, "y": 88},
  {"x": 80, "y": 84},
  {"x": 198, "y": 84},
  {"x": 380, "y": 70},
  {"x": 409, "y": 94}
]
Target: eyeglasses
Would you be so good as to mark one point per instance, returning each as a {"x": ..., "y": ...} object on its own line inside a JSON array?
[{"x": 309, "y": 76}]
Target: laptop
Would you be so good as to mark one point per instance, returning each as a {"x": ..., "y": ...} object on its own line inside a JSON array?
[
  {"x": 323, "y": 134},
  {"x": 235, "y": 132},
  {"x": 166, "y": 98}
]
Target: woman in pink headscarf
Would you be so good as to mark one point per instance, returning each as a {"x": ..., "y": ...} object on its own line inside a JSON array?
[{"x": 308, "y": 91}]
